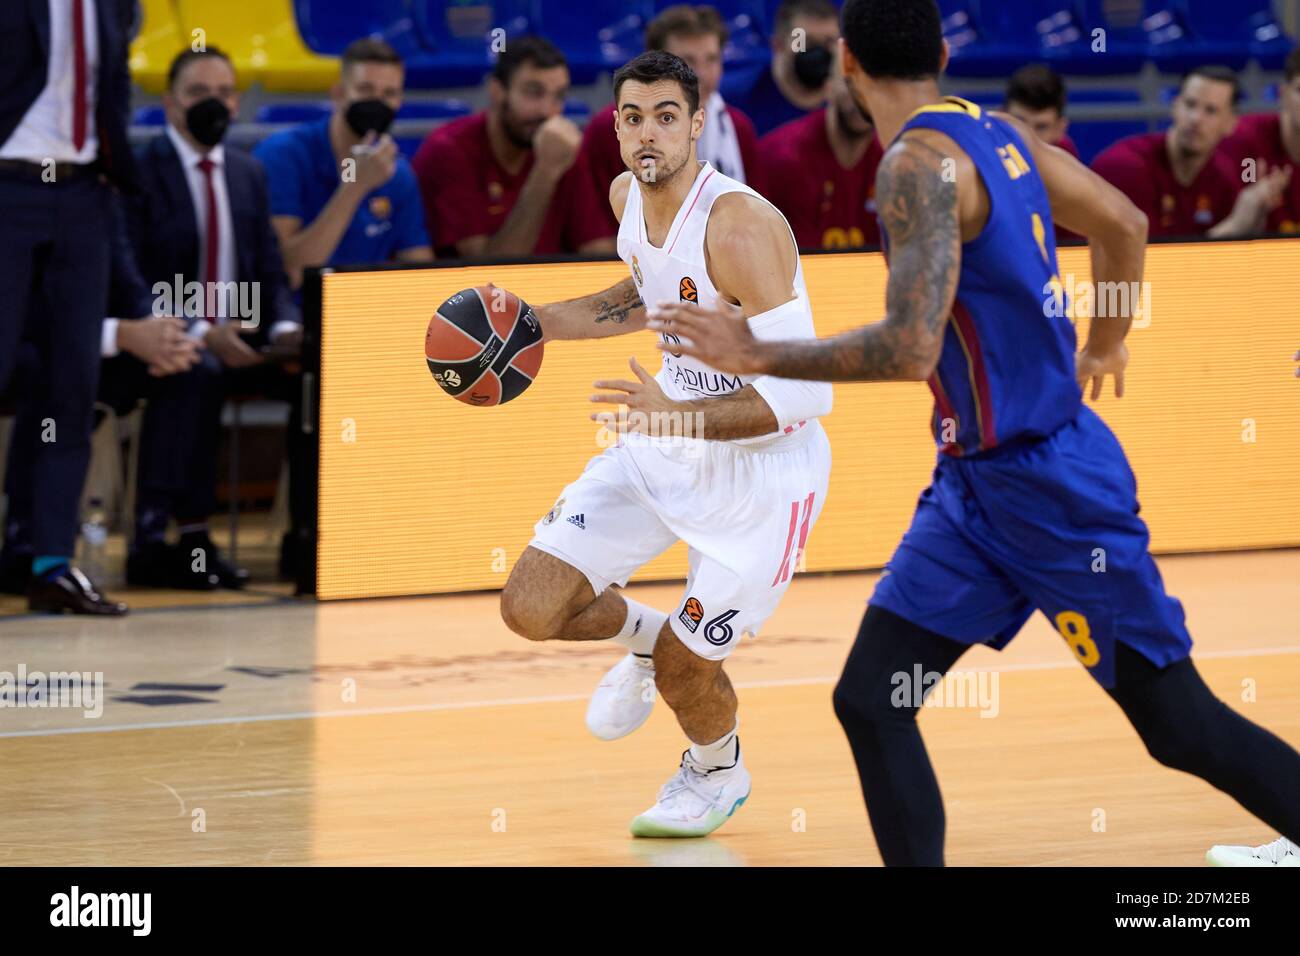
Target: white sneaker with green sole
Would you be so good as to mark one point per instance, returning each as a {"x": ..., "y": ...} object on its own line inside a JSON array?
[{"x": 696, "y": 801}]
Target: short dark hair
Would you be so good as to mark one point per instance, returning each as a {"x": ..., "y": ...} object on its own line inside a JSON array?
[
  {"x": 1038, "y": 87},
  {"x": 685, "y": 20},
  {"x": 188, "y": 56},
  {"x": 538, "y": 51},
  {"x": 894, "y": 39},
  {"x": 657, "y": 65},
  {"x": 369, "y": 50},
  {"x": 1291, "y": 69},
  {"x": 1220, "y": 74},
  {"x": 813, "y": 9}
]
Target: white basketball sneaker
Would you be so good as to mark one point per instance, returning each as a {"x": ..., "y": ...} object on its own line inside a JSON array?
[
  {"x": 623, "y": 698},
  {"x": 696, "y": 801},
  {"x": 1281, "y": 852}
]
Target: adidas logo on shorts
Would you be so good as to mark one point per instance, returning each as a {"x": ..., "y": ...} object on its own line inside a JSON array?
[{"x": 577, "y": 522}]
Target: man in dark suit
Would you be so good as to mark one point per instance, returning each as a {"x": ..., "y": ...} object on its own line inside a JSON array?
[
  {"x": 201, "y": 230},
  {"x": 148, "y": 356},
  {"x": 64, "y": 101}
]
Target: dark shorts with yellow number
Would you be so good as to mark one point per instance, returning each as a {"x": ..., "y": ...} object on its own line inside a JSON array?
[{"x": 1051, "y": 525}]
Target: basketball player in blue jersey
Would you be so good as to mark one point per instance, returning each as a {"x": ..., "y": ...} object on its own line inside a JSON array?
[{"x": 1030, "y": 483}]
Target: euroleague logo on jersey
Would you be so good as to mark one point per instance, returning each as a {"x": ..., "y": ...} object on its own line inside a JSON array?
[
  {"x": 686, "y": 290},
  {"x": 717, "y": 632},
  {"x": 692, "y": 614}
]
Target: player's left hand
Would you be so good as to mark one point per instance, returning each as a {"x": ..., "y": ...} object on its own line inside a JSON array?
[
  {"x": 1094, "y": 367},
  {"x": 644, "y": 396},
  {"x": 718, "y": 337}
]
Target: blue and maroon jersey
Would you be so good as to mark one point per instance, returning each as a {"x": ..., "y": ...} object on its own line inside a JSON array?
[{"x": 1006, "y": 373}]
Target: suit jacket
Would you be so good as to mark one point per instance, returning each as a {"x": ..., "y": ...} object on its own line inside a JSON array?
[
  {"x": 165, "y": 232},
  {"x": 128, "y": 294},
  {"x": 24, "y": 64}
]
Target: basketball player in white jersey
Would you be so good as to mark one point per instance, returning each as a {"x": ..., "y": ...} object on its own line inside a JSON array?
[{"x": 743, "y": 491}]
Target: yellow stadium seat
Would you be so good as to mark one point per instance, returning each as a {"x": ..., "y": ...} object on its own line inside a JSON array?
[
  {"x": 158, "y": 42},
  {"x": 261, "y": 37}
]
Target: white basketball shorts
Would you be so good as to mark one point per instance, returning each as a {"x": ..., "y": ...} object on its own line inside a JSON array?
[{"x": 745, "y": 514}]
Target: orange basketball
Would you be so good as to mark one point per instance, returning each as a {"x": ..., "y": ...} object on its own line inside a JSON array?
[{"x": 484, "y": 346}]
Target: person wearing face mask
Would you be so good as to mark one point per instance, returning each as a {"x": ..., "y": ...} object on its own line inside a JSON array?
[
  {"x": 203, "y": 216},
  {"x": 803, "y": 57},
  {"x": 728, "y": 142},
  {"x": 340, "y": 193},
  {"x": 822, "y": 173},
  {"x": 511, "y": 180}
]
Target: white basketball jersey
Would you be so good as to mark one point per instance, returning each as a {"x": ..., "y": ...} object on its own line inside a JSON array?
[{"x": 677, "y": 272}]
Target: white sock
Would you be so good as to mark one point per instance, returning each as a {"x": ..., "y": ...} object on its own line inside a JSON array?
[
  {"x": 642, "y": 626},
  {"x": 723, "y": 752}
]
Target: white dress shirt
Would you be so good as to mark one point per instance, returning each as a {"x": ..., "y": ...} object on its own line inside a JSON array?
[{"x": 45, "y": 131}]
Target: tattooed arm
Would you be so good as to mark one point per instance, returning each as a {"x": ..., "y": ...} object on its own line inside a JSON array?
[
  {"x": 616, "y": 311},
  {"x": 919, "y": 207}
]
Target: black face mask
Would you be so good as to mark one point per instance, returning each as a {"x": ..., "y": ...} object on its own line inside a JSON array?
[
  {"x": 207, "y": 121},
  {"x": 812, "y": 67},
  {"x": 366, "y": 115}
]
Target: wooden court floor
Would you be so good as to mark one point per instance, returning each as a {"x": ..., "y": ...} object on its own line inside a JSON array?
[{"x": 422, "y": 732}]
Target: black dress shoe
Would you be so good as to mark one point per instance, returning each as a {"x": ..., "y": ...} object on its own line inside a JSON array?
[
  {"x": 161, "y": 565},
  {"x": 228, "y": 576},
  {"x": 71, "y": 591},
  {"x": 15, "y": 572}
]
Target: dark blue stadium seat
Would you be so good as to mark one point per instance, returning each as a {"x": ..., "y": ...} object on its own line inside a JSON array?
[
  {"x": 578, "y": 111},
  {"x": 1007, "y": 34},
  {"x": 986, "y": 99},
  {"x": 1092, "y": 136},
  {"x": 597, "y": 36},
  {"x": 1105, "y": 96},
  {"x": 463, "y": 36},
  {"x": 1188, "y": 33},
  {"x": 1068, "y": 40},
  {"x": 149, "y": 116},
  {"x": 328, "y": 26},
  {"x": 293, "y": 112},
  {"x": 433, "y": 109}
]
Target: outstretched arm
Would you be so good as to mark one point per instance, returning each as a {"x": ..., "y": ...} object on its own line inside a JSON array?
[
  {"x": 919, "y": 210},
  {"x": 616, "y": 311}
]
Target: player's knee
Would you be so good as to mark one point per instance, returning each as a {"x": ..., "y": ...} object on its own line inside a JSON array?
[
  {"x": 1173, "y": 743},
  {"x": 524, "y": 614},
  {"x": 856, "y": 706}
]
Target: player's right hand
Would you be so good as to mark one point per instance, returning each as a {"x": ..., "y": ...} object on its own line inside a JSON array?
[
  {"x": 556, "y": 144},
  {"x": 1094, "y": 366},
  {"x": 375, "y": 166}
]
